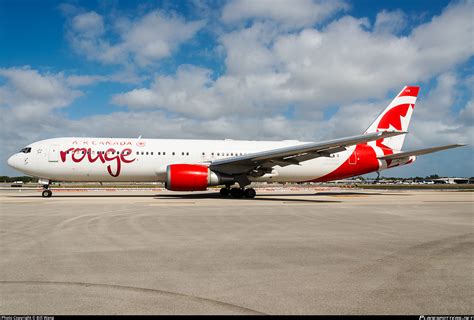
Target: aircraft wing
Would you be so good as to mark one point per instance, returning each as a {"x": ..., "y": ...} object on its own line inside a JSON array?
[
  {"x": 406, "y": 154},
  {"x": 260, "y": 163}
]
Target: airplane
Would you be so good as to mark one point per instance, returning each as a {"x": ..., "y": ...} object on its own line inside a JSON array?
[{"x": 194, "y": 165}]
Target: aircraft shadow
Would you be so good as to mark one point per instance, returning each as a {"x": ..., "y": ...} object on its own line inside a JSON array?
[
  {"x": 353, "y": 193},
  {"x": 349, "y": 193},
  {"x": 265, "y": 197},
  {"x": 87, "y": 196},
  {"x": 288, "y": 197}
]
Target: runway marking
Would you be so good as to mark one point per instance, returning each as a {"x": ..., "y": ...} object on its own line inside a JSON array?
[{"x": 131, "y": 288}]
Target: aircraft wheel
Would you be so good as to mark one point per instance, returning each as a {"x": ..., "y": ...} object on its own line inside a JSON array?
[
  {"x": 224, "y": 192},
  {"x": 236, "y": 192},
  {"x": 47, "y": 193},
  {"x": 250, "y": 193}
]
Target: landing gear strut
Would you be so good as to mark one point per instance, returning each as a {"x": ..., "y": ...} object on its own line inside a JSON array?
[
  {"x": 250, "y": 193},
  {"x": 46, "y": 192},
  {"x": 238, "y": 192},
  {"x": 224, "y": 192},
  {"x": 378, "y": 178}
]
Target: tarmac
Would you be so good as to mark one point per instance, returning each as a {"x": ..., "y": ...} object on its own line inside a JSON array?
[{"x": 296, "y": 251}]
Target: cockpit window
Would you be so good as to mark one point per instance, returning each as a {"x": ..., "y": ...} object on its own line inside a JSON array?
[{"x": 25, "y": 150}]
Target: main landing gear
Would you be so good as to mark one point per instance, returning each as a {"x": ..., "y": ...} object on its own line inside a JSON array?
[
  {"x": 46, "y": 192},
  {"x": 238, "y": 192}
]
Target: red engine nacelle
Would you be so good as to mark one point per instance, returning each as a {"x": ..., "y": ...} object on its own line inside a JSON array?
[{"x": 189, "y": 177}]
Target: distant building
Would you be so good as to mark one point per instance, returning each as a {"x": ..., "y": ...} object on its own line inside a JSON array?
[{"x": 453, "y": 181}]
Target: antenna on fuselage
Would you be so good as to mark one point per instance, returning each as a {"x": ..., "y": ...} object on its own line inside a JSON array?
[{"x": 139, "y": 137}]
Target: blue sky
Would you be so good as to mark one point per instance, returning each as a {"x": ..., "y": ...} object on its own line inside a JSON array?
[{"x": 263, "y": 70}]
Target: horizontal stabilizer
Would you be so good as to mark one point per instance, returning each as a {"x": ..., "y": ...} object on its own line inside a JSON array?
[{"x": 418, "y": 152}]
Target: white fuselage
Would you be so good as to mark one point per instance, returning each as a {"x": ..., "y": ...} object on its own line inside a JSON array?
[{"x": 102, "y": 159}]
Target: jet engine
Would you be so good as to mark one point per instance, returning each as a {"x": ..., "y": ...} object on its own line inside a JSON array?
[{"x": 193, "y": 177}]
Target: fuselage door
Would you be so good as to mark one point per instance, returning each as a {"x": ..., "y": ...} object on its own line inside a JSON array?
[
  {"x": 53, "y": 153},
  {"x": 353, "y": 158}
]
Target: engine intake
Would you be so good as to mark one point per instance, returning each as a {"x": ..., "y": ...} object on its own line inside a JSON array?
[{"x": 192, "y": 177}]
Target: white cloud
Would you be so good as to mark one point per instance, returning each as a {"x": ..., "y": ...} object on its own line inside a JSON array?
[
  {"x": 437, "y": 105},
  {"x": 467, "y": 114},
  {"x": 89, "y": 24},
  {"x": 85, "y": 80},
  {"x": 446, "y": 40},
  {"x": 144, "y": 40},
  {"x": 434, "y": 120},
  {"x": 186, "y": 93},
  {"x": 268, "y": 69},
  {"x": 390, "y": 21},
  {"x": 33, "y": 94},
  {"x": 249, "y": 51},
  {"x": 30, "y": 101},
  {"x": 296, "y": 13},
  {"x": 193, "y": 92}
]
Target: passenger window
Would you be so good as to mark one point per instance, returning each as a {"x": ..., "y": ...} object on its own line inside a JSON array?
[
  {"x": 182, "y": 153},
  {"x": 187, "y": 153},
  {"x": 172, "y": 153},
  {"x": 147, "y": 153},
  {"x": 151, "y": 153},
  {"x": 164, "y": 153},
  {"x": 203, "y": 154},
  {"x": 159, "y": 153}
]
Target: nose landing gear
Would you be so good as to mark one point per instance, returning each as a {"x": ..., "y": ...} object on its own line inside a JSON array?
[{"x": 46, "y": 192}]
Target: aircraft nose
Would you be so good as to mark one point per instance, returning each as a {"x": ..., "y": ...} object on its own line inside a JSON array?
[{"x": 13, "y": 161}]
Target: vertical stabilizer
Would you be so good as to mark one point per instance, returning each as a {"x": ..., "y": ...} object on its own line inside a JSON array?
[{"x": 396, "y": 117}]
